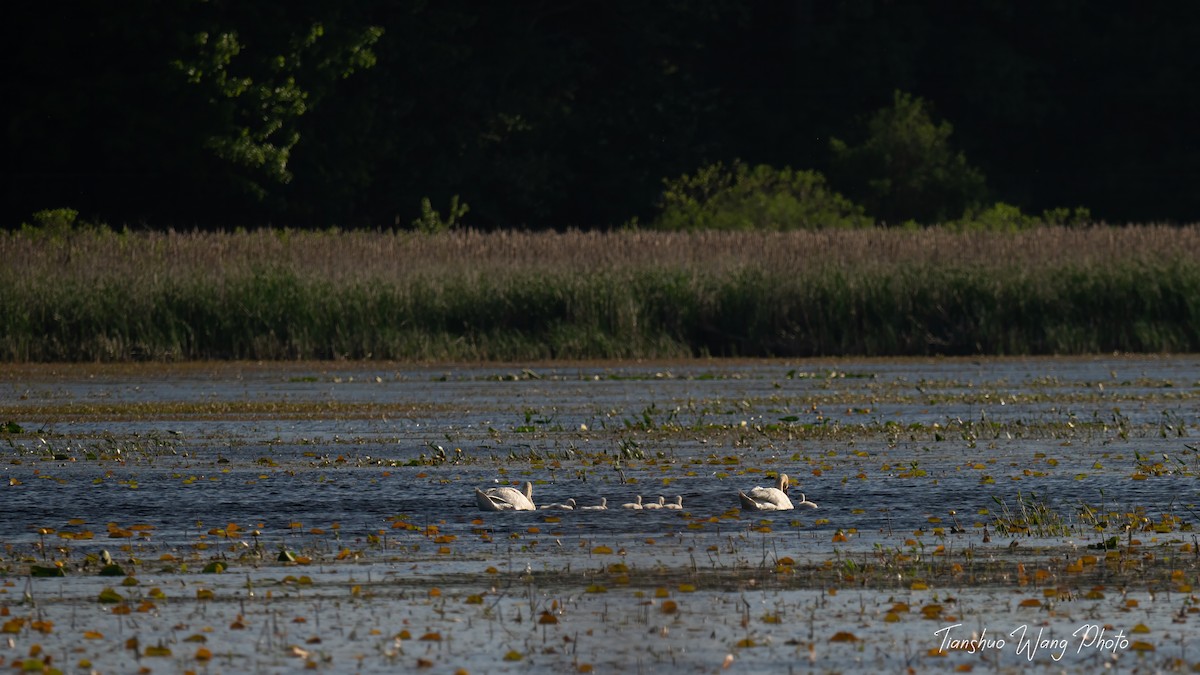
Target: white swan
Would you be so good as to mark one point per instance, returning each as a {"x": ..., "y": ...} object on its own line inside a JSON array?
[
  {"x": 768, "y": 499},
  {"x": 655, "y": 505},
  {"x": 506, "y": 498},
  {"x": 568, "y": 505},
  {"x": 678, "y": 503},
  {"x": 602, "y": 506},
  {"x": 804, "y": 502},
  {"x": 635, "y": 504}
]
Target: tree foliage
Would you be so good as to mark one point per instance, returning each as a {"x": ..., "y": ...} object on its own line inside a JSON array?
[
  {"x": 257, "y": 101},
  {"x": 906, "y": 168},
  {"x": 543, "y": 113}
]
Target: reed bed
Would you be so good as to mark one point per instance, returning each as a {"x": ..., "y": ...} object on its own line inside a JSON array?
[{"x": 467, "y": 295}]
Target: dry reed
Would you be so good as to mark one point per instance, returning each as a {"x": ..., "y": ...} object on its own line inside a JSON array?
[
  {"x": 98, "y": 295},
  {"x": 338, "y": 257}
]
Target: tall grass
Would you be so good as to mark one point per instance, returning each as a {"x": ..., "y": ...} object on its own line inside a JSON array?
[{"x": 279, "y": 294}]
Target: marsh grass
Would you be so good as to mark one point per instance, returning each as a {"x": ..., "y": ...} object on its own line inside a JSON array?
[
  {"x": 96, "y": 295},
  {"x": 1034, "y": 515}
]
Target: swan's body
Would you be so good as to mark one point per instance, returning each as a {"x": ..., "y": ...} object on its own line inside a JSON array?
[
  {"x": 678, "y": 503},
  {"x": 635, "y": 504},
  {"x": 506, "y": 498},
  {"x": 768, "y": 498},
  {"x": 602, "y": 506},
  {"x": 568, "y": 505},
  {"x": 655, "y": 505},
  {"x": 805, "y": 503}
]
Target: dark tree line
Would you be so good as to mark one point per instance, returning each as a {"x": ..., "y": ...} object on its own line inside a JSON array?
[{"x": 556, "y": 113}]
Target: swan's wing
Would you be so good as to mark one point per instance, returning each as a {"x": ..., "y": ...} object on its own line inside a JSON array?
[
  {"x": 780, "y": 499},
  {"x": 770, "y": 499},
  {"x": 487, "y": 502},
  {"x": 503, "y": 499},
  {"x": 747, "y": 502},
  {"x": 515, "y": 497}
]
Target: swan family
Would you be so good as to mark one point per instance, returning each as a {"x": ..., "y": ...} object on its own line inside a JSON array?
[
  {"x": 757, "y": 499},
  {"x": 511, "y": 499}
]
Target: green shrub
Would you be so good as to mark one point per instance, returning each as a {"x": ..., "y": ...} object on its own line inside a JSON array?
[
  {"x": 1063, "y": 216},
  {"x": 430, "y": 221},
  {"x": 905, "y": 168},
  {"x": 56, "y": 219},
  {"x": 1001, "y": 217},
  {"x": 59, "y": 224},
  {"x": 52, "y": 223},
  {"x": 998, "y": 217},
  {"x": 737, "y": 197}
]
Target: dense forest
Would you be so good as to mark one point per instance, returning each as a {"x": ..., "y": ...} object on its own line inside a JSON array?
[{"x": 557, "y": 114}]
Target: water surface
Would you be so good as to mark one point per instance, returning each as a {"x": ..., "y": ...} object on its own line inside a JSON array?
[{"x": 367, "y": 472}]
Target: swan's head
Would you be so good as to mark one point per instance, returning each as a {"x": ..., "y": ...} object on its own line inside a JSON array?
[{"x": 784, "y": 483}]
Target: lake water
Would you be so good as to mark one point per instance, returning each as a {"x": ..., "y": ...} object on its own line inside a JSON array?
[{"x": 969, "y": 486}]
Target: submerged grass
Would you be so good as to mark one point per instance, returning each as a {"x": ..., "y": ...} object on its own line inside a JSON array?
[{"x": 103, "y": 296}]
